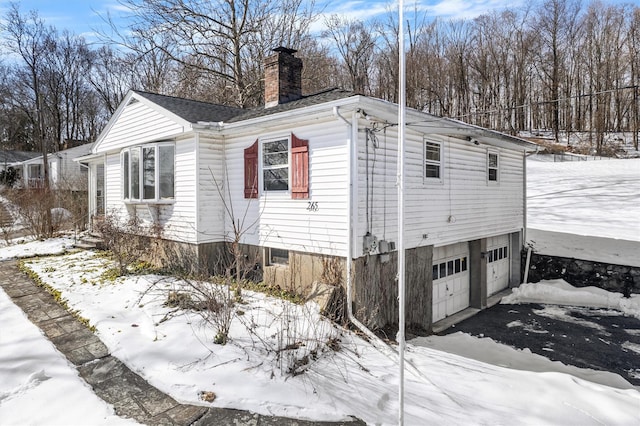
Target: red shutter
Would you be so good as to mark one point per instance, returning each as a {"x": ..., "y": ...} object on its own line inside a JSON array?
[
  {"x": 299, "y": 168},
  {"x": 251, "y": 171}
]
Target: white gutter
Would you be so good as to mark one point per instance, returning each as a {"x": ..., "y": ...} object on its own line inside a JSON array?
[{"x": 419, "y": 121}]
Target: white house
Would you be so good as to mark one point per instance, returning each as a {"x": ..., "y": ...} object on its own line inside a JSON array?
[
  {"x": 13, "y": 158},
  {"x": 64, "y": 172},
  {"x": 311, "y": 178}
]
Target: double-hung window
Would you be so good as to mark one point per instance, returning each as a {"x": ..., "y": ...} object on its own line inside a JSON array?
[
  {"x": 493, "y": 170},
  {"x": 275, "y": 165},
  {"x": 433, "y": 160},
  {"x": 283, "y": 165},
  {"x": 148, "y": 172}
]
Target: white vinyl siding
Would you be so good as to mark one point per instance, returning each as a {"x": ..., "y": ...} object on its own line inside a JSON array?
[
  {"x": 211, "y": 184},
  {"x": 138, "y": 123},
  {"x": 314, "y": 225},
  {"x": 462, "y": 208}
]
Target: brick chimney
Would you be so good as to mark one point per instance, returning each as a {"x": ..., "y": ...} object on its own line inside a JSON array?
[{"x": 282, "y": 77}]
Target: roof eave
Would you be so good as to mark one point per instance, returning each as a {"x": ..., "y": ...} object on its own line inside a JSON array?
[{"x": 288, "y": 115}]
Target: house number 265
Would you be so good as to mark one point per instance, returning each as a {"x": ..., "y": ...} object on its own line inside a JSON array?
[{"x": 312, "y": 206}]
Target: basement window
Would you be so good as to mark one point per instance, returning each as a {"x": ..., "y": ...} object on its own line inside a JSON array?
[
  {"x": 148, "y": 173},
  {"x": 277, "y": 256}
]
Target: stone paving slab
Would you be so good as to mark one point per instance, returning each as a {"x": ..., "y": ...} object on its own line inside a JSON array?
[{"x": 130, "y": 395}]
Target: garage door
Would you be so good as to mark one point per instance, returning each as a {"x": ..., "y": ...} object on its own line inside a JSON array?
[
  {"x": 450, "y": 280},
  {"x": 497, "y": 264}
]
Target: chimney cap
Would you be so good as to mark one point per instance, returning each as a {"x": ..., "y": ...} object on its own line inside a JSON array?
[{"x": 285, "y": 50}]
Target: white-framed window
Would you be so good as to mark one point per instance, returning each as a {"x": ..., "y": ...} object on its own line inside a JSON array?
[
  {"x": 275, "y": 165},
  {"x": 276, "y": 256},
  {"x": 433, "y": 163},
  {"x": 148, "y": 172},
  {"x": 493, "y": 166}
]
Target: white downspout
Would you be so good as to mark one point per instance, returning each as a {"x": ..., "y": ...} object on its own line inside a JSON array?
[
  {"x": 379, "y": 344},
  {"x": 352, "y": 141}
]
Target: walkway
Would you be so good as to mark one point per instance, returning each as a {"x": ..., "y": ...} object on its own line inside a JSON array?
[{"x": 130, "y": 395}]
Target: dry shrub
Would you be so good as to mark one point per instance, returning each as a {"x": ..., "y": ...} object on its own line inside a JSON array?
[
  {"x": 73, "y": 197},
  {"x": 35, "y": 208},
  {"x": 46, "y": 211},
  {"x": 126, "y": 239}
]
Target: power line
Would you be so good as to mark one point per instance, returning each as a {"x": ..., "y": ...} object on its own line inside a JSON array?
[{"x": 585, "y": 95}]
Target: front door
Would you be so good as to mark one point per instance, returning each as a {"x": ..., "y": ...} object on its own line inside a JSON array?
[{"x": 99, "y": 197}]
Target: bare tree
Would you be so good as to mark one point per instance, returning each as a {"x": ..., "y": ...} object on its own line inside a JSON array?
[
  {"x": 556, "y": 25},
  {"x": 220, "y": 41},
  {"x": 29, "y": 38},
  {"x": 355, "y": 44},
  {"x": 634, "y": 68}
]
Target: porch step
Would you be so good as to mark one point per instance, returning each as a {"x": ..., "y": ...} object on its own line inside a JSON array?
[
  {"x": 90, "y": 242},
  {"x": 5, "y": 216}
]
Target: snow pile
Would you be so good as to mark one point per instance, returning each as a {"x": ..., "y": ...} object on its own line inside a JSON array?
[
  {"x": 485, "y": 349},
  {"x": 173, "y": 350},
  {"x": 560, "y": 292}
]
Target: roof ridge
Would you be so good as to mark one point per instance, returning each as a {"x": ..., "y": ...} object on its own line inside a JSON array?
[{"x": 142, "y": 92}]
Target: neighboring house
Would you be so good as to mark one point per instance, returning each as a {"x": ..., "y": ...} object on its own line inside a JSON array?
[
  {"x": 9, "y": 157},
  {"x": 64, "y": 172},
  {"x": 313, "y": 178},
  {"x": 14, "y": 158}
]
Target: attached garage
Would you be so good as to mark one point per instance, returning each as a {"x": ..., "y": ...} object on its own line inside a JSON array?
[
  {"x": 498, "y": 262},
  {"x": 450, "y": 280}
]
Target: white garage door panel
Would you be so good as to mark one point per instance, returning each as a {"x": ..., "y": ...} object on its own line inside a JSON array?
[
  {"x": 451, "y": 280},
  {"x": 498, "y": 262}
]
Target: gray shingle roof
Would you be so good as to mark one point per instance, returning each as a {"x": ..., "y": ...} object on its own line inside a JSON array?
[
  {"x": 306, "y": 101},
  {"x": 77, "y": 151},
  {"x": 192, "y": 111},
  {"x": 17, "y": 156},
  {"x": 196, "y": 111}
]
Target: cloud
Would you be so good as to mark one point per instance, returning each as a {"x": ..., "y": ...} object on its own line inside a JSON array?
[
  {"x": 447, "y": 9},
  {"x": 466, "y": 9}
]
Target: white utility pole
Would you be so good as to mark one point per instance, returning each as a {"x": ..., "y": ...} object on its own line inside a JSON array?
[{"x": 401, "y": 262}]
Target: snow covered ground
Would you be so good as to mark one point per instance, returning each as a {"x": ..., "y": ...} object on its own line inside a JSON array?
[
  {"x": 456, "y": 379},
  {"x": 441, "y": 387},
  {"x": 38, "y": 386},
  {"x": 585, "y": 198}
]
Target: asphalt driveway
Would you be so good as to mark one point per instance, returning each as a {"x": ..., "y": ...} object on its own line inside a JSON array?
[{"x": 599, "y": 339}]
